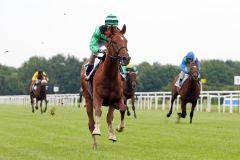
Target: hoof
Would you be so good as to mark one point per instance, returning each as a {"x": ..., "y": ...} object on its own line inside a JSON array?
[
  {"x": 179, "y": 114},
  {"x": 96, "y": 132},
  {"x": 112, "y": 137},
  {"x": 128, "y": 113},
  {"x": 168, "y": 115},
  {"x": 119, "y": 128},
  {"x": 135, "y": 116}
]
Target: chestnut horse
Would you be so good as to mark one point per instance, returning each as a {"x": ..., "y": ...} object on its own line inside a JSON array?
[
  {"x": 107, "y": 86},
  {"x": 40, "y": 94},
  {"x": 129, "y": 90},
  {"x": 189, "y": 92}
]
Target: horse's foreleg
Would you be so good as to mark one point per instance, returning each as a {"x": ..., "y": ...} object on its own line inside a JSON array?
[
  {"x": 133, "y": 107},
  {"x": 32, "y": 103},
  {"x": 36, "y": 107},
  {"x": 183, "y": 113},
  {"x": 41, "y": 106},
  {"x": 45, "y": 100},
  {"x": 128, "y": 112},
  {"x": 111, "y": 135},
  {"x": 174, "y": 96},
  {"x": 194, "y": 103}
]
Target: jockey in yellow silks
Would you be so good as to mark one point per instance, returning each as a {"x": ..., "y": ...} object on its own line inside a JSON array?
[
  {"x": 37, "y": 77},
  {"x": 129, "y": 68}
]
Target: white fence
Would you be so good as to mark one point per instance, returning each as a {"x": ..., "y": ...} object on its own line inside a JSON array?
[{"x": 145, "y": 100}]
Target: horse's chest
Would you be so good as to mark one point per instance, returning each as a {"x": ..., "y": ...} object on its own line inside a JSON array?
[{"x": 110, "y": 91}]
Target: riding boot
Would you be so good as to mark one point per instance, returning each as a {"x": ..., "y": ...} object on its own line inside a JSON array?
[
  {"x": 179, "y": 83},
  {"x": 89, "y": 68}
]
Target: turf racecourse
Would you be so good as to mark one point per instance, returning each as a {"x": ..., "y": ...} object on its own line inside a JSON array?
[{"x": 65, "y": 136}]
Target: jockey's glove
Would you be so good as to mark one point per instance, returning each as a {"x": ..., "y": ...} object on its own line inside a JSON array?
[{"x": 102, "y": 51}]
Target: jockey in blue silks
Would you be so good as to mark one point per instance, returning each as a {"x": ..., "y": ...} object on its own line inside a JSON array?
[{"x": 189, "y": 58}]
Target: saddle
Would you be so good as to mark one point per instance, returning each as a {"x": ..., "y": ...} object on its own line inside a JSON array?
[{"x": 177, "y": 81}]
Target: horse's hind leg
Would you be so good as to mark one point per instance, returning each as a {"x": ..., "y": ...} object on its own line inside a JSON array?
[
  {"x": 91, "y": 122},
  {"x": 192, "y": 110},
  {"x": 133, "y": 107},
  {"x": 97, "y": 103},
  {"x": 174, "y": 96},
  {"x": 111, "y": 135}
]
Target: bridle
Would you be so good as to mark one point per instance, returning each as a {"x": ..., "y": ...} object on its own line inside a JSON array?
[
  {"x": 117, "y": 50},
  {"x": 194, "y": 75}
]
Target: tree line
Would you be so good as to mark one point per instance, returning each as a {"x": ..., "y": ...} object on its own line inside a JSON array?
[{"x": 64, "y": 72}]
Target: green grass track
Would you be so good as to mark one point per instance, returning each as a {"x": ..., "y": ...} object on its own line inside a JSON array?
[{"x": 65, "y": 136}]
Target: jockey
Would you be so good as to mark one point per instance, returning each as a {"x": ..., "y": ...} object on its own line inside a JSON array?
[
  {"x": 37, "y": 77},
  {"x": 189, "y": 58},
  {"x": 99, "y": 39},
  {"x": 129, "y": 68}
]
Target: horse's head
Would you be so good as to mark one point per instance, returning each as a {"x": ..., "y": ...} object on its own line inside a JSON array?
[
  {"x": 132, "y": 80},
  {"x": 41, "y": 89},
  {"x": 193, "y": 73},
  {"x": 117, "y": 46}
]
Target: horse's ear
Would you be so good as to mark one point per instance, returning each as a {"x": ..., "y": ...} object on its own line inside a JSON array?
[{"x": 123, "y": 31}]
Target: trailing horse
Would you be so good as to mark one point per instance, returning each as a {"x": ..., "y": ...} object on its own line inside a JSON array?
[
  {"x": 40, "y": 94},
  {"x": 189, "y": 92},
  {"x": 129, "y": 91},
  {"x": 107, "y": 86}
]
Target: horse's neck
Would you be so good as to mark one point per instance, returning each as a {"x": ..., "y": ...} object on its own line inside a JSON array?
[
  {"x": 192, "y": 84},
  {"x": 111, "y": 68}
]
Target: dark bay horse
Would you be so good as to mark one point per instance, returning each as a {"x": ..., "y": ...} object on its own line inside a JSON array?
[
  {"x": 107, "y": 86},
  {"x": 129, "y": 90},
  {"x": 40, "y": 94},
  {"x": 189, "y": 92}
]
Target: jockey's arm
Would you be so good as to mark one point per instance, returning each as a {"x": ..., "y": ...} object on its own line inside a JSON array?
[
  {"x": 184, "y": 65},
  {"x": 94, "y": 41},
  {"x": 34, "y": 77},
  {"x": 45, "y": 76}
]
